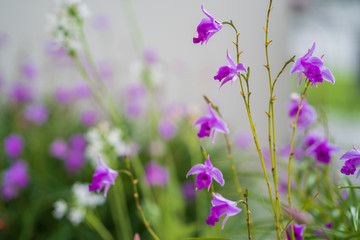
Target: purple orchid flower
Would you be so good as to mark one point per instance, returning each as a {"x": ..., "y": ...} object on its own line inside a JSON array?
[
  {"x": 230, "y": 72},
  {"x": 211, "y": 123},
  {"x": 207, "y": 28},
  {"x": 307, "y": 114},
  {"x": 103, "y": 177},
  {"x": 352, "y": 158},
  {"x": 313, "y": 68},
  {"x": 205, "y": 173},
  {"x": 59, "y": 148},
  {"x": 317, "y": 145},
  {"x": 221, "y": 206},
  {"x": 298, "y": 231}
]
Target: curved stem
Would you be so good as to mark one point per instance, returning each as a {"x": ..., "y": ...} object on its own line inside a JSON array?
[
  {"x": 247, "y": 213},
  {"x": 137, "y": 202},
  {"x": 252, "y": 126},
  {"x": 292, "y": 148},
  {"x": 228, "y": 145}
]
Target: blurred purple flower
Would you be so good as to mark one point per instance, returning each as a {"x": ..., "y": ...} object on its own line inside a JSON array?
[
  {"x": 283, "y": 185},
  {"x": 21, "y": 93},
  {"x": 243, "y": 140},
  {"x": 77, "y": 142},
  {"x": 59, "y": 148},
  {"x": 63, "y": 95},
  {"x": 135, "y": 95},
  {"x": 298, "y": 231},
  {"x": 221, "y": 206},
  {"x": 313, "y": 68},
  {"x": 176, "y": 111},
  {"x": 307, "y": 114},
  {"x": 322, "y": 232},
  {"x": 230, "y": 72},
  {"x": 188, "y": 189},
  {"x": 207, "y": 28},
  {"x": 81, "y": 90},
  {"x": 36, "y": 113},
  {"x": 89, "y": 117},
  {"x": 103, "y": 177},
  {"x": 211, "y": 123},
  {"x": 74, "y": 160},
  {"x": 151, "y": 56},
  {"x": 100, "y": 22},
  {"x": 298, "y": 215},
  {"x": 205, "y": 173},
  {"x": 156, "y": 175},
  {"x": 1, "y": 81},
  {"x": 29, "y": 71},
  {"x": 322, "y": 150},
  {"x": 13, "y": 145},
  {"x": 14, "y": 179},
  {"x": 58, "y": 54},
  {"x": 352, "y": 162},
  {"x": 106, "y": 72},
  {"x": 167, "y": 129}
]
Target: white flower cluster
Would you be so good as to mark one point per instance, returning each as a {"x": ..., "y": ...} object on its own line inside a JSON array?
[
  {"x": 104, "y": 139},
  {"x": 64, "y": 24},
  {"x": 81, "y": 200}
]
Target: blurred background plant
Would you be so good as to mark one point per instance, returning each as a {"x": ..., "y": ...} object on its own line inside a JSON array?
[{"x": 53, "y": 134}]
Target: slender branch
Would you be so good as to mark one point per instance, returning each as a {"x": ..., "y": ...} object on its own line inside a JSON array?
[
  {"x": 228, "y": 145},
  {"x": 292, "y": 148},
  {"x": 246, "y": 194},
  {"x": 137, "y": 202},
  {"x": 252, "y": 125}
]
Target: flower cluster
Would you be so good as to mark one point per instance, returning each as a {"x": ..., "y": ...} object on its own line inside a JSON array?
[
  {"x": 317, "y": 145},
  {"x": 211, "y": 123},
  {"x": 65, "y": 22},
  {"x": 313, "y": 68},
  {"x": 103, "y": 177},
  {"x": 307, "y": 114},
  {"x": 352, "y": 162}
]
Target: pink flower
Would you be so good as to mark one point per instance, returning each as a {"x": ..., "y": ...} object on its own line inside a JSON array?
[
  {"x": 221, "y": 207},
  {"x": 156, "y": 175},
  {"x": 313, "y": 68},
  {"x": 205, "y": 173},
  {"x": 207, "y": 28},
  {"x": 210, "y": 123},
  {"x": 103, "y": 177}
]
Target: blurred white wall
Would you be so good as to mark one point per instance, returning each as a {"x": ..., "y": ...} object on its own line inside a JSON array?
[{"x": 168, "y": 27}]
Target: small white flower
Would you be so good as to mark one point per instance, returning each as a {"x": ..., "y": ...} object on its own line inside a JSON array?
[
  {"x": 76, "y": 216},
  {"x": 60, "y": 208}
]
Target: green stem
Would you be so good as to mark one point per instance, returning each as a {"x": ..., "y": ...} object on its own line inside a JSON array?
[
  {"x": 252, "y": 126},
  {"x": 291, "y": 151},
  {"x": 97, "y": 225},
  {"x": 138, "y": 205},
  {"x": 247, "y": 213},
  {"x": 228, "y": 145}
]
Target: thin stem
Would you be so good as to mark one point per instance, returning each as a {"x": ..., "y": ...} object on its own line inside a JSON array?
[
  {"x": 137, "y": 202},
  {"x": 292, "y": 148},
  {"x": 252, "y": 126},
  {"x": 228, "y": 145},
  {"x": 95, "y": 223},
  {"x": 247, "y": 213}
]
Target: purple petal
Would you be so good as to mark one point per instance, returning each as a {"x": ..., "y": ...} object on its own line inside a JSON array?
[
  {"x": 315, "y": 61},
  {"x": 297, "y": 66},
  {"x": 327, "y": 75},
  {"x": 231, "y": 62},
  {"x": 241, "y": 68},
  {"x": 208, "y": 163},
  {"x": 218, "y": 176},
  {"x": 202, "y": 120},
  {"x": 353, "y": 153},
  {"x": 300, "y": 78},
  {"x": 206, "y": 13},
  {"x": 307, "y": 55},
  {"x": 196, "y": 169}
]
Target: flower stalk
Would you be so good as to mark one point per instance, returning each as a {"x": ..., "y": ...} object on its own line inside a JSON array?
[
  {"x": 292, "y": 148},
  {"x": 134, "y": 182}
]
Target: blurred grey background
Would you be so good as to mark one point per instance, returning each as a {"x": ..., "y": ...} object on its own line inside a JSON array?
[{"x": 186, "y": 70}]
